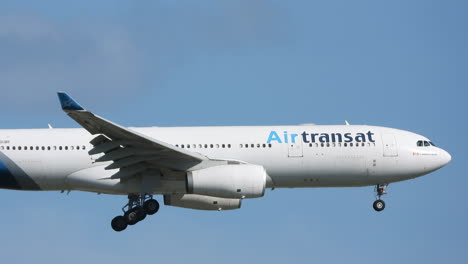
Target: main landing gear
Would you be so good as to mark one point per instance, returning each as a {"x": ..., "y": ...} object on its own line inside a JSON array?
[
  {"x": 138, "y": 207},
  {"x": 379, "y": 204}
]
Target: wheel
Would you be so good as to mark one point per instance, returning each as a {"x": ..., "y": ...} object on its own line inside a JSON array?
[
  {"x": 379, "y": 205},
  {"x": 151, "y": 207},
  {"x": 119, "y": 224},
  {"x": 131, "y": 216},
  {"x": 141, "y": 214}
]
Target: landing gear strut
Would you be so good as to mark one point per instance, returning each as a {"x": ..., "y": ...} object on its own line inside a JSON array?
[
  {"x": 136, "y": 210},
  {"x": 379, "y": 204}
]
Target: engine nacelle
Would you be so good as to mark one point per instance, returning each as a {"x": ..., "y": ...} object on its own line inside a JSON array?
[
  {"x": 228, "y": 181},
  {"x": 200, "y": 202}
]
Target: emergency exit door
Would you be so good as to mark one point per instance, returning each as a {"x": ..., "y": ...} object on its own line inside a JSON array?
[
  {"x": 390, "y": 148},
  {"x": 295, "y": 150}
]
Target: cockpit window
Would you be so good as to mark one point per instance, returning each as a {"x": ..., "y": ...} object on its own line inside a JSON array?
[{"x": 424, "y": 143}]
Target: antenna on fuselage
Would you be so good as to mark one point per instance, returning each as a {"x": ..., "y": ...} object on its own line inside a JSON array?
[
  {"x": 50, "y": 126},
  {"x": 346, "y": 122}
]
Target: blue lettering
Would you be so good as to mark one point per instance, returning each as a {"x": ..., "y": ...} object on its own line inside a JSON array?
[
  {"x": 312, "y": 136},
  {"x": 348, "y": 137},
  {"x": 369, "y": 136},
  {"x": 340, "y": 137},
  {"x": 273, "y": 137},
  {"x": 336, "y": 137},
  {"x": 360, "y": 137},
  {"x": 324, "y": 138},
  {"x": 304, "y": 137},
  {"x": 321, "y": 137},
  {"x": 293, "y": 138}
]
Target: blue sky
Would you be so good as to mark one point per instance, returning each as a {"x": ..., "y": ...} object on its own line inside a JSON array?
[{"x": 399, "y": 64}]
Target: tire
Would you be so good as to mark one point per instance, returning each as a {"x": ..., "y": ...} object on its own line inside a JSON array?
[
  {"x": 151, "y": 207},
  {"x": 379, "y": 205},
  {"x": 140, "y": 214},
  {"x": 131, "y": 216},
  {"x": 119, "y": 224}
]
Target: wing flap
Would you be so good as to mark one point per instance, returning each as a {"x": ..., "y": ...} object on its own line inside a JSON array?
[
  {"x": 127, "y": 152},
  {"x": 107, "y": 147}
]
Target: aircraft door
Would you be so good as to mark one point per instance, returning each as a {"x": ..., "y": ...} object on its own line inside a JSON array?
[
  {"x": 372, "y": 164},
  {"x": 295, "y": 150},
  {"x": 390, "y": 148}
]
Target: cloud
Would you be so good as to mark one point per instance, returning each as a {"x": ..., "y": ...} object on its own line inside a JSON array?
[
  {"x": 39, "y": 57},
  {"x": 211, "y": 27},
  {"x": 112, "y": 59},
  {"x": 24, "y": 28}
]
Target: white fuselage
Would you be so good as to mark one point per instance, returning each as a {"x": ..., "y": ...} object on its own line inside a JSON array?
[{"x": 293, "y": 156}]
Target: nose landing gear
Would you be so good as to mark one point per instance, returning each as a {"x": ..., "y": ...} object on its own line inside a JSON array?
[
  {"x": 379, "y": 204},
  {"x": 136, "y": 210}
]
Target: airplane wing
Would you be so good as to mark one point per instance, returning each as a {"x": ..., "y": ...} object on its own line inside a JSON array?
[{"x": 129, "y": 151}]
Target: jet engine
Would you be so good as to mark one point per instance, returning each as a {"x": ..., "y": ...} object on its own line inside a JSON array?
[
  {"x": 228, "y": 181},
  {"x": 200, "y": 202}
]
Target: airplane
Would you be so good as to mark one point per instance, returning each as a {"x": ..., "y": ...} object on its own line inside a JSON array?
[{"x": 207, "y": 168}]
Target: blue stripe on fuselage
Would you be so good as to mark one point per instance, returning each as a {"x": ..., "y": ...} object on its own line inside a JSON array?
[{"x": 7, "y": 180}]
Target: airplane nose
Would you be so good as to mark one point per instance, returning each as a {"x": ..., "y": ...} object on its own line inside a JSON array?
[{"x": 446, "y": 157}]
